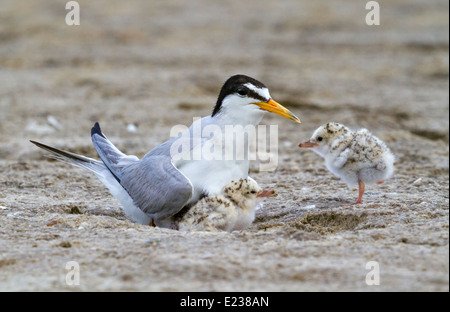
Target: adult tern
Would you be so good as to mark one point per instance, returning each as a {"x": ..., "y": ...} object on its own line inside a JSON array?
[{"x": 155, "y": 188}]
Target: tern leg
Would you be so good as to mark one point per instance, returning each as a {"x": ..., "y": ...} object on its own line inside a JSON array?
[
  {"x": 380, "y": 182},
  {"x": 174, "y": 226},
  {"x": 361, "y": 192},
  {"x": 152, "y": 223}
]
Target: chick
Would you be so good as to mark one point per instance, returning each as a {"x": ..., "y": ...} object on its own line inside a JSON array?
[
  {"x": 355, "y": 157},
  {"x": 245, "y": 194},
  {"x": 233, "y": 210}
]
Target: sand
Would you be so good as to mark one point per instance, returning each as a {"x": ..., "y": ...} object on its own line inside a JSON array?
[{"x": 157, "y": 64}]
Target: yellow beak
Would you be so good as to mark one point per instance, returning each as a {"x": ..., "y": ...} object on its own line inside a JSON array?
[{"x": 278, "y": 109}]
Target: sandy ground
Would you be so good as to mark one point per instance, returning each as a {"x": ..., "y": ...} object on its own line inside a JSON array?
[{"x": 160, "y": 63}]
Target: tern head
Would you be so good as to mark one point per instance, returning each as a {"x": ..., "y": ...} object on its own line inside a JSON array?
[
  {"x": 324, "y": 136},
  {"x": 247, "y": 99}
]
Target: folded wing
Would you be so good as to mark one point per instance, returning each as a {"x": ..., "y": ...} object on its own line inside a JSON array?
[{"x": 155, "y": 185}]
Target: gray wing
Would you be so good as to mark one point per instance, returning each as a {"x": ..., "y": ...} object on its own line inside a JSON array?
[
  {"x": 157, "y": 187},
  {"x": 154, "y": 184}
]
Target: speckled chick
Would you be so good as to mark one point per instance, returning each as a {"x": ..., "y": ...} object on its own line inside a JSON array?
[
  {"x": 357, "y": 157},
  {"x": 231, "y": 211}
]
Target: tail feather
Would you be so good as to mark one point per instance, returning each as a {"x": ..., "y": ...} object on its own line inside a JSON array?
[
  {"x": 72, "y": 158},
  {"x": 105, "y": 176},
  {"x": 111, "y": 156}
]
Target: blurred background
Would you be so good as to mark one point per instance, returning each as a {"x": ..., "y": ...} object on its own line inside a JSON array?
[{"x": 158, "y": 63}]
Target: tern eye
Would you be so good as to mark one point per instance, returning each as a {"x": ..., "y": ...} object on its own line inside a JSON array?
[
  {"x": 242, "y": 91},
  {"x": 319, "y": 139}
]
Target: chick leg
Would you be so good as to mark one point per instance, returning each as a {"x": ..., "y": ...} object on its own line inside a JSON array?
[{"x": 361, "y": 192}]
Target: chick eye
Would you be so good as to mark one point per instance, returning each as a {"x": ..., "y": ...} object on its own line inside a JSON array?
[
  {"x": 253, "y": 192},
  {"x": 242, "y": 91},
  {"x": 319, "y": 139}
]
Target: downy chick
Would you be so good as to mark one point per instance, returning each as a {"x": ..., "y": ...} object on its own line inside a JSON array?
[
  {"x": 356, "y": 157},
  {"x": 233, "y": 210}
]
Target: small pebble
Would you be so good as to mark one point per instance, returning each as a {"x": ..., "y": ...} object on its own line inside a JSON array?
[
  {"x": 132, "y": 128},
  {"x": 34, "y": 127},
  {"x": 53, "y": 222},
  {"x": 54, "y": 122},
  {"x": 65, "y": 244}
]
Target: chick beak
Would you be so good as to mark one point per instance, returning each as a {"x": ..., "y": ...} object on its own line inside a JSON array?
[
  {"x": 308, "y": 144},
  {"x": 274, "y": 107},
  {"x": 267, "y": 193}
]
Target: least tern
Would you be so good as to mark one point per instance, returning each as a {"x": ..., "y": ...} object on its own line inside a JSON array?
[
  {"x": 153, "y": 189},
  {"x": 356, "y": 157}
]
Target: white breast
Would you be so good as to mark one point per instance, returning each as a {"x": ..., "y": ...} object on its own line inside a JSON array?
[{"x": 209, "y": 177}]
